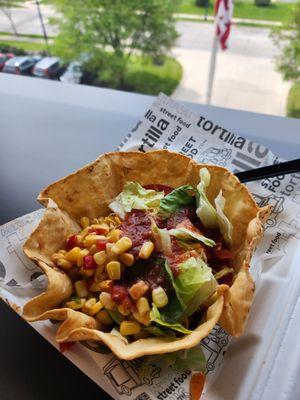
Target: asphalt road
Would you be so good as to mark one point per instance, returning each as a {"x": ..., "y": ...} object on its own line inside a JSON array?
[
  {"x": 194, "y": 36},
  {"x": 27, "y": 21},
  {"x": 245, "y": 75},
  {"x": 244, "y": 41}
]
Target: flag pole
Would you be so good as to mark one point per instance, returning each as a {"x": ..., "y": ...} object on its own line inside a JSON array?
[
  {"x": 212, "y": 66},
  {"x": 37, "y": 2}
]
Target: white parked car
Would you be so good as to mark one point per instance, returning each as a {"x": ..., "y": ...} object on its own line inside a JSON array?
[{"x": 73, "y": 73}]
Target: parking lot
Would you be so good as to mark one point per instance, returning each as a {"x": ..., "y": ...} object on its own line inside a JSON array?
[{"x": 40, "y": 66}]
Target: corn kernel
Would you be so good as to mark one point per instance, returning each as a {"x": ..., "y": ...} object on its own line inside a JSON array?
[
  {"x": 146, "y": 250},
  {"x": 113, "y": 220},
  {"x": 95, "y": 221},
  {"x": 63, "y": 252},
  {"x": 110, "y": 255},
  {"x": 75, "y": 305},
  {"x": 88, "y": 304},
  {"x": 114, "y": 235},
  {"x": 116, "y": 220},
  {"x": 138, "y": 289},
  {"x": 123, "y": 310},
  {"x": 107, "y": 300},
  {"x": 100, "y": 257},
  {"x": 93, "y": 249},
  {"x": 96, "y": 308},
  {"x": 113, "y": 269},
  {"x": 142, "y": 305},
  {"x": 91, "y": 239},
  {"x": 105, "y": 286},
  {"x": 92, "y": 306},
  {"x": 103, "y": 317},
  {"x": 84, "y": 232},
  {"x": 88, "y": 273},
  {"x": 81, "y": 256},
  {"x": 122, "y": 245},
  {"x": 129, "y": 328},
  {"x": 84, "y": 222},
  {"x": 143, "y": 319},
  {"x": 64, "y": 264},
  {"x": 81, "y": 289},
  {"x": 79, "y": 240},
  {"x": 102, "y": 227},
  {"x": 73, "y": 254},
  {"x": 127, "y": 259},
  {"x": 159, "y": 297},
  {"x": 57, "y": 256}
]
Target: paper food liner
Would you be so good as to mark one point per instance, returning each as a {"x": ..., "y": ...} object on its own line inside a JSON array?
[{"x": 166, "y": 125}]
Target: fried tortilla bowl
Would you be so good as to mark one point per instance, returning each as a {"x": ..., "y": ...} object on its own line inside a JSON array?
[{"x": 88, "y": 192}]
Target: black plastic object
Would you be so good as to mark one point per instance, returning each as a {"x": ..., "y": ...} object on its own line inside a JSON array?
[{"x": 284, "y": 168}]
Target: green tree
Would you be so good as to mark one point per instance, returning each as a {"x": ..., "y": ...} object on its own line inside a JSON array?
[
  {"x": 111, "y": 31},
  {"x": 287, "y": 38},
  {"x": 6, "y": 7}
]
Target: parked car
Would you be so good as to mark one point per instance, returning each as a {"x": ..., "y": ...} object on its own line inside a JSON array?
[
  {"x": 21, "y": 65},
  {"x": 48, "y": 67},
  {"x": 4, "y": 57},
  {"x": 36, "y": 57},
  {"x": 73, "y": 73}
]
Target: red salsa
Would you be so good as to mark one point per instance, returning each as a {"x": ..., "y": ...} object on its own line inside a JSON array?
[
  {"x": 136, "y": 226},
  {"x": 178, "y": 256}
]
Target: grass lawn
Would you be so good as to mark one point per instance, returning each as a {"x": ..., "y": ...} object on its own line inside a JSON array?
[
  {"x": 293, "y": 102},
  {"x": 244, "y": 9},
  {"x": 26, "y": 46},
  {"x": 151, "y": 79},
  {"x": 24, "y": 35},
  {"x": 250, "y": 24}
]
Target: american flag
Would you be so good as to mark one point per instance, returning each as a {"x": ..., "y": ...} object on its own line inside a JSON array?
[{"x": 223, "y": 15}]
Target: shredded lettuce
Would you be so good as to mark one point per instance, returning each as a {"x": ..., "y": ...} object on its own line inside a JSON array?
[
  {"x": 187, "y": 234},
  {"x": 162, "y": 239},
  {"x": 191, "y": 359},
  {"x": 156, "y": 331},
  {"x": 205, "y": 211},
  {"x": 168, "y": 358},
  {"x": 174, "y": 310},
  {"x": 179, "y": 303},
  {"x": 224, "y": 223},
  {"x": 179, "y": 197},
  {"x": 116, "y": 316},
  {"x": 158, "y": 318},
  {"x": 134, "y": 196},
  {"x": 211, "y": 217},
  {"x": 182, "y": 360},
  {"x": 193, "y": 285}
]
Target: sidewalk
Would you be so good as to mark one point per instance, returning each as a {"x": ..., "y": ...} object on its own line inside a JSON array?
[
  {"x": 25, "y": 38},
  {"x": 195, "y": 18}
]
